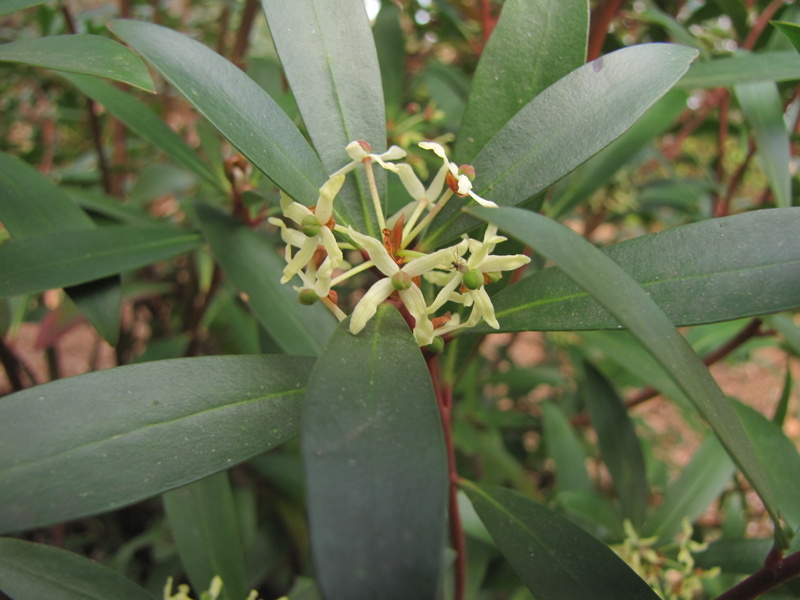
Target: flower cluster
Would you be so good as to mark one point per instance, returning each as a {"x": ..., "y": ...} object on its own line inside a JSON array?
[{"x": 314, "y": 244}]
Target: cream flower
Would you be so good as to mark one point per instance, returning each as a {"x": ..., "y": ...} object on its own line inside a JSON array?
[
  {"x": 397, "y": 279},
  {"x": 462, "y": 184},
  {"x": 359, "y": 150}
]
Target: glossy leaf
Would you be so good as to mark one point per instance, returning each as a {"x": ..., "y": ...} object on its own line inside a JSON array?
[
  {"x": 700, "y": 482},
  {"x": 205, "y": 527},
  {"x": 376, "y": 470},
  {"x": 553, "y": 557},
  {"x": 254, "y": 266},
  {"x": 565, "y": 449},
  {"x": 81, "y": 53},
  {"x": 725, "y": 72},
  {"x": 96, "y": 442},
  {"x": 565, "y": 125},
  {"x": 241, "y": 110},
  {"x": 715, "y": 270},
  {"x": 140, "y": 119},
  {"x": 790, "y": 30},
  {"x": 46, "y": 262},
  {"x": 619, "y": 444},
  {"x": 391, "y": 49},
  {"x": 533, "y": 45},
  {"x": 11, "y": 6},
  {"x": 31, "y": 571},
  {"x": 633, "y": 308},
  {"x": 762, "y": 107},
  {"x": 329, "y": 57}
]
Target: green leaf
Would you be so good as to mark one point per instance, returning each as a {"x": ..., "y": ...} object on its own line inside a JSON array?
[
  {"x": 565, "y": 449},
  {"x": 633, "y": 308},
  {"x": 96, "y": 442},
  {"x": 619, "y": 444},
  {"x": 391, "y": 49},
  {"x": 31, "y": 571},
  {"x": 47, "y": 262},
  {"x": 205, "y": 527},
  {"x": 700, "y": 482},
  {"x": 553, "y": 557},
  {"x": 140, "y": 119},
  {"x": 81, "y": 53},
  {"x": 726, "y": 72},
  {"x": 715, "y": 270},
  {"x": 599, "y": 169},
  {"x": 565, "y": 125},
  {"x": 740, "y": 556},
  {"x": 790, "y": 30},
  {"x": 241, "y": 110},
  {"x": 533, "y": 45},
  {"x": 376, "y": 469},
  {"x": 11, "y": 6},
  {"x": 762, "y": 107},
  {"x": 329, "y": 57},
  {"x": 253, "y": 264}
]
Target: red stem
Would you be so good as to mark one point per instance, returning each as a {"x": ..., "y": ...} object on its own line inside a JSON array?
[{"x": 771, "y": 575}]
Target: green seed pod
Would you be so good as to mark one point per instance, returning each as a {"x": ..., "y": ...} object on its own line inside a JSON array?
[
  {"x": 401, "y": 281},
  {"x": 310, "y": 226},
  {"x": 473, "y": 279},
  {"x": 436, "y": 346},
  {"x": 307, "y": 297}
]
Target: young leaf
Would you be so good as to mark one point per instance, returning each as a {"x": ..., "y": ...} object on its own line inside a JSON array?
[
  {"x": 623, "y": 298},
  {"x": 81, "y": 53},
  {"x": 565, "y": 125},
  {"x": 202, "y": 518},
  {"x": 619, "y": 444},
  {"x": 254, "y": 266},
  {"x": 31, "y": 571},
  {"x": 376, "y": 470},
  {"x": 554, "y": 558},
  {"x": 533, "y": 45},
  {"x": 242, "y": 112},
  {"x": 47, "y": 262},
  {"x": 761, "y": 104},
  {"x": 328, "y": 54},
  {"x": 715, "y": 270},
  {"x": 92, "y": 443}
]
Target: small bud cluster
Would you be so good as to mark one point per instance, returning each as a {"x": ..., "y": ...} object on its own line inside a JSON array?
[{"x": 314, "y": 252}]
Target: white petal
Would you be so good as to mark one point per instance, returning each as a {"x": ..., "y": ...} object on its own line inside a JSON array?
[
  {"x": 503, "y": 263},
  {"x": 294, "y": 210},
  {"x": 444, "y": 294},
  {"x": 415, "y": 303},
  {"x": 484, "y": 305},
  {"x": 366, "y": 307},
  {"x": 300, "y": 260},
  {"x": 331, "y": 247},
  {"x": 409, "y": 180},
  {"x": 322, "y": 286},
  {"x": 376, "y": 251},
  {"x": 356, "y": 151},
  {"x": 327, "y": 193},
  {"x": 427, "y": 263},
  {"x": 393, "y": 153},
  {"x": 482, "y": 201},
  {"x": 438, "y": 149}
]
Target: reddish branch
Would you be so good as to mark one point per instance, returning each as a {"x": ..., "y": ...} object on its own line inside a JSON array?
[
  {"x": 598, "y": 29},
  {"x": 776, "y": 571}
]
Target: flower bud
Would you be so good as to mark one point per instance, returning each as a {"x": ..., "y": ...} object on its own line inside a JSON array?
[
  {"x": 401, "y": 281},
  {"x": 310, "y": 226},
  {"x": 436, "y": 346},
  {"x": 473, "y": 279},
  {"x": 468, "y": 171},
  {"x": 307, "y": 297}
]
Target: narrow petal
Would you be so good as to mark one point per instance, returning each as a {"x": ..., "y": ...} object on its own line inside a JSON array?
[
  {"x": 393, "y": 153},
  {"x": 409, "y": 179},
  {"x": 331, "y": 247},
  {"x": 299, "y": 260},
  {"x": 427, "y": 263},
  {"x": 481, "y": 201},
  {"x": 294, "y": 210},
  {"x": 483, "y": 304},
  {"x": 444, "y": 294},
  {"x": 437, "y": 148},
  {"x": 377, "y": 253},
  {"x": 415, "y": 303},
  {"x": 327, "y": 193},
  {"x": 366, "y": 307},
  {"x": 503, "y": 263}
]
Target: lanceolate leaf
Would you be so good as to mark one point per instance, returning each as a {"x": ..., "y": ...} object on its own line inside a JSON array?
[
  {"x": 532, "y": 46},
  {"x": 82, "y": 53},
  {"x": 715, "y": 270},
  {"x": 790, "y": 30},
  {"x": 565, "y": 125},
  {"x": 328, "y": 54},
  {"x": 243, "y": 112},
  {"x": 376, "y": 470},
  {"x": 781, "y": 65},
  {"x": 47, "y": 262},
  {"x": 554, "y": 558},
  {"x": 31, "y": 571},
  {"x": 253, "y": 264},
  {"x": 623, "y": 298},
  {"x": 10, "y": 6},
  {"x": 96, "y": 442}
]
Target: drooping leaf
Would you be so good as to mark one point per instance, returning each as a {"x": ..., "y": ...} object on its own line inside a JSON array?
[
  {"x": 726, "y": 72},
  {"x": 619, "y": 444},
  {"x": 241, "y": 110},
  {"x": 715, "y": 270},
  {"x": 31, "y": 571},
  {"x": 762, "y": 107},
  {"x": 633, "y": 308},
  {"x": 699, "y": 483},
  {"x": 533, "y": 45},
  {"x": 329, "y": 57},
  {"x": 81, "y": 53},
  {"x": 254, "y": 266},
  {"x": 553, "y": 557},
  {"x": 565, "y": 449},
  {"x": 144, "y": 122},
  {"x": 46, "y": 262},
  {"x": 376, "y": 470},
  {"x": 204, "y": 525},
  {"x": 92, "y": 443},
  {"x": 565, "y": 125}
]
